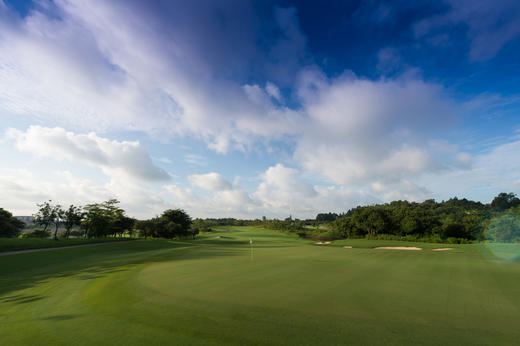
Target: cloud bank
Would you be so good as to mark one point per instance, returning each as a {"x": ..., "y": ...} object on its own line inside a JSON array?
[{"x": 113, "y": 157}]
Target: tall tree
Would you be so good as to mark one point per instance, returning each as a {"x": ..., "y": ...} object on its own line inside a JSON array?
[
  {"x": 45, "y": 215},
  {"x": 177, "y": 223},
  {"x": 58, "y": 218},
  {"x": 107, "y": 218},
  {"x": 72, "y": 217},
  {"x": 95, "y": 221},
  {"x": 9, "y": 225}
]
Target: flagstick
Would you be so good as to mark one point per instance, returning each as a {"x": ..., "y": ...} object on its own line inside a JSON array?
[{"x": 251, "y": 247}]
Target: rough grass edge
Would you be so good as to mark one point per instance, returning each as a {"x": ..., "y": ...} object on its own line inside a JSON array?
[{"x": 14, "y": 244}]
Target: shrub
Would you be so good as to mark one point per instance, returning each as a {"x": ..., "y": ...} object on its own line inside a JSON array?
[{"x": 36, "y": 234}]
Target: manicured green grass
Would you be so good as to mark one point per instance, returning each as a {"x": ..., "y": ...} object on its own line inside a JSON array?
[
  {"x": 286, "y": 291},
  {"x": 369, "y": 243},
  {"x": 12, "y": 244}
]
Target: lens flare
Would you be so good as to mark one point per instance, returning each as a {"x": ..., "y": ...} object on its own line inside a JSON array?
[{"x": 502, "y": 237}]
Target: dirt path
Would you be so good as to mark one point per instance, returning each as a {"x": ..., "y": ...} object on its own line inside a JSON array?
[{"x": 15, "y": 252}]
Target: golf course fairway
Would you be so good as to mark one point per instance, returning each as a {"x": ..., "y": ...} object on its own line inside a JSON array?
[{"x": 284, "y": 290}]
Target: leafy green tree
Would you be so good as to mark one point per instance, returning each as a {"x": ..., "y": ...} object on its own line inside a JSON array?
[
  {"x": 49, "y": 214},
  {"x": 72, "y": 217},
  {"x": 9, "y": 225},
  {"x": 173, "y": 223},
  {"x": 46, "y": 215},
  {"x": 345, "y": 227},
  {"x": 411, "y": 224},
  {"x": 122, "y": 223},
  {"x": 453, "y": 230},
  {"x": 104, "y": 219},
  {"x": 58, "y": 218},
  {"x": 326, "y": 217},
  {"x": 505, "y": 201},
  {"x": 201, "y": 225},
  {"x": 177, "y": 216},
  {"x": 147, "y": 228},
  {"x": 176, "y": 223},
  {"x": 95, "y": 222}
]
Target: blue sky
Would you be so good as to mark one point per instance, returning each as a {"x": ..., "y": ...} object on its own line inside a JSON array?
[{"x": 252, "y": 108}]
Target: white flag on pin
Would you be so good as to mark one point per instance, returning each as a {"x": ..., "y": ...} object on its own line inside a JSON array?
[{"x": 250, "y": 240}]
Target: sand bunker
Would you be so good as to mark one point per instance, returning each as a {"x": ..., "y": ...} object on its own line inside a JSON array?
[
  {"x": 443, "y": 249},
  {"x": 397, "y": 248},
  {"x": 322, "y": 243},
  {"x": 347, "y": 247}
]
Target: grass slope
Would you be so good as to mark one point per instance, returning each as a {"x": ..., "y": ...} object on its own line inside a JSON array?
[
  {"x": 13, "y": 244},
  {"x": 214, "y": 291}
]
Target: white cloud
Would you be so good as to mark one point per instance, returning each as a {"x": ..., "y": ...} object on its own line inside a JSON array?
[
  {"x": 403, "y": 190},
  {"x": 21, "y": 192},
  {"x": 362, "y": 131},
  {"x": 256, "y": 95},
  {"x": 490, "y": 173},
  {"x": 282, "y": 191},
  {"x": 491, "y": 24},
  {"x": 58, "y": 70},
  {"x": 236, "y": 199},
  {"x": 210, "y": 181},
  {"x": 106, "y": 67},
  {"x": 163, "y": 160},
  {"x": 234, "y": 202},
  {"x": 273, "y": 91},
  {"x": 197, "y": 160},
  {"x": 112, "y": 157}
]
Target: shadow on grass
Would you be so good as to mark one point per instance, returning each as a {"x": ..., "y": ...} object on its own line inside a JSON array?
[
  {"x": 23, "y": 271},
  {"x": 21, "y": 299},
  {"x": 218, "y": 242},
  {"x": 59, "y": 317},
  {"x": 244, "y": 243}
]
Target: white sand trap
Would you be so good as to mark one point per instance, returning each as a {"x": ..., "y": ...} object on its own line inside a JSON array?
[
  {"x": 443, "y": 249},
  {"x": 347, "y": 247},
  {"x": 398, "y": 248},
  {"x": 322, "y": 243},
  {"x": 218, "y": 237}
]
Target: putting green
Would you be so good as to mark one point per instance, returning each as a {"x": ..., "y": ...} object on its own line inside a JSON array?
[{"x": 287, "y": 291}]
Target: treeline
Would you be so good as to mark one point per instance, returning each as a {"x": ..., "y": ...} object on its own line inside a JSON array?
[
  {"x": 288, "y": 224},
  {"x": 98, "y": 220},
  {"x": 453, "y": 220},
  {"x": 91, "y": 221}
]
